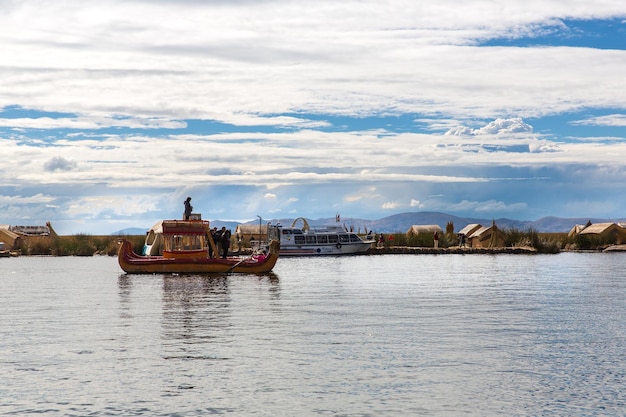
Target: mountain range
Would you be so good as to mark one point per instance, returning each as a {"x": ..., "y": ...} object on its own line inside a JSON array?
[{"x": 400, "y": 223}]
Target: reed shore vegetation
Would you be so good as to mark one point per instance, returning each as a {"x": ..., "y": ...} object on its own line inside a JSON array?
[{"x": 92, "y": 245}]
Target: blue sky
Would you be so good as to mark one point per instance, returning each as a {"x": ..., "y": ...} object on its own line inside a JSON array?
[{"x": 113, "y": 112}]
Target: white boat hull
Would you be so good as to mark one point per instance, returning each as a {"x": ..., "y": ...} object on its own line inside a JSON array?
[{"x": 316, "y": 250}]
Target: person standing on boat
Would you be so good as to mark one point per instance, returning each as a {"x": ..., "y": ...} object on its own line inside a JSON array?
[
  {"x": 225, "y": 241},
  {"x": 215, "y": 238},
  {"x": 188, "y": 209}
]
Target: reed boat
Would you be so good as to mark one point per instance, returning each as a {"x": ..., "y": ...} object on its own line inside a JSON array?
[{"x": 182, "y": 246}]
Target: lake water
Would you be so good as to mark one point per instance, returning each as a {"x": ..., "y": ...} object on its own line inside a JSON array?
[{"x": 388, "y": 335}]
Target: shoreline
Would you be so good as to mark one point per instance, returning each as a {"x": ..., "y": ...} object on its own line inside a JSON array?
[{"x": 410, "y": 250}]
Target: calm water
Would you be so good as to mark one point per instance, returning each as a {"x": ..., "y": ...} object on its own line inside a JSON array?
[{"x": 401, "y": 335}]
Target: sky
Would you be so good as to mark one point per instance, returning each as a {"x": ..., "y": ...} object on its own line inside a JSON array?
[{"x": 113, "y": 112}]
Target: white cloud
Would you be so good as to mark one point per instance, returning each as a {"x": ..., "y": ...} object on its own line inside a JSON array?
[
  {"x": 497, "y": 127},
  {"x": 22, "y": 200},
  {"x": 247, "y": 63},
  {"x": 93, "y": 207},
  {"x": 110, "y": 66},
  {"x": 390, "y": 205},
  {"x": 608, "y": 120},
  {"x": 90, "y": 123},
  {"x": 489, "y": 206}
]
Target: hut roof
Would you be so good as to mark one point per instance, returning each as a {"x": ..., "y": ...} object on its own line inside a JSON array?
[
  {"x": 576, "y": 229},
  {"x": 598, "y": 228},
  {"x": 31, "y": 230},
  {"x": 470, "y": 229},
  {"x": 480, "y": 231},
  {"x": 416, "y": 229},
  {"x": 251, "y": 229}
]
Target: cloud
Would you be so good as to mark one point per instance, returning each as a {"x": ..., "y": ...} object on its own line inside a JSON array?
[
  {"x": 250, "y": 101},
  {"x": 23, "y": 200},
  {"x": 537, "y": 147},
  {"x": 497, "y": 127},
  {"x": 59, "y": 163},
  {"x": 489, "y": 206},
  {"x": 390, "y": 205},
  {"x": 98, "y": 206},
  {"x": 607, "y": 120},
  {"x": 90, "y": 123}
]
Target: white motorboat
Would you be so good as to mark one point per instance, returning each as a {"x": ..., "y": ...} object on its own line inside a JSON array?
[{"x": 326, "y": 240}]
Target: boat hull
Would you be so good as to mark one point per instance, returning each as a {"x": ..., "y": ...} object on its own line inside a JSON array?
[
  {"x": 318, "y": 250},
  {"x": 130, "y": 262}
]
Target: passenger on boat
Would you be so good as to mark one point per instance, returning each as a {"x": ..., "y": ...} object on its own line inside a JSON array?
[
  {"x": 225, "y": 241},
  {"x": 216, "y": 241},
  {"x": 188, "y": 209},
  {"x": 260, "y": 257}
]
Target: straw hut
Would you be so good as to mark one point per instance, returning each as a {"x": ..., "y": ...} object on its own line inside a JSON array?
[
  {"x": 487, "y": 237},
  {"x": 10, "y": 239},
  {"x": 247, "y": 233},
  {"x": 578, "y": 228},
  {"x": 469, "y": 229},
  {"x": 15, "y": 237},
  {"x": 609, "y": 231},
  {"x": 418, "y": 229}
]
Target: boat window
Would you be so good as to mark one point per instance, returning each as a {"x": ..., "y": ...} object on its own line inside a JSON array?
[
  {"x": 298, "y": 239},
  {"x": 322, "y": 238},
  {"x": 272, "y": 233},
  {"x": 286, "y": 232},
  {"x": 354, "y": 238},
  {"x": 332, "y": 239},
  {"x": 344, "y": 238},
  {"x": 184, "y": 242},
  {"x": 310, "y": 239}
]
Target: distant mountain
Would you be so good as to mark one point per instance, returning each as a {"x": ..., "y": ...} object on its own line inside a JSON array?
[{"x": 400, "y": 223}]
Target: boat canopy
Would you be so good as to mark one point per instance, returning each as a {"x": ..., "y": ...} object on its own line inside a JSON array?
[{"x": 185, "y": 227}]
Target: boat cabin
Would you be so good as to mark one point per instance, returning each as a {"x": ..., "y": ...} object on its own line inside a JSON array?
[
  {"x": 185, "y": 238},
  {"x": 329, "y": 235}
]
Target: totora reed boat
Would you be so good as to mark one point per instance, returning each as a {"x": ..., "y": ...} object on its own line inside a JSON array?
[{"x": 182, "y": 246}]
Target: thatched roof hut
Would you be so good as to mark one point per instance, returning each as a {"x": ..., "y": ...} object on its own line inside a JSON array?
[
  {"x": 257, "y": 232},
  {"x": 418, "y": 229},
  {"x": 610, "y": 231},
  {"x": 487, "y": 237}
]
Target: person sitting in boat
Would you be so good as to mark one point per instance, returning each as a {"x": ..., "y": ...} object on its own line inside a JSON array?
[
  {"x": 188, "y": 209},
  {"x": 260, "y": 257}
]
